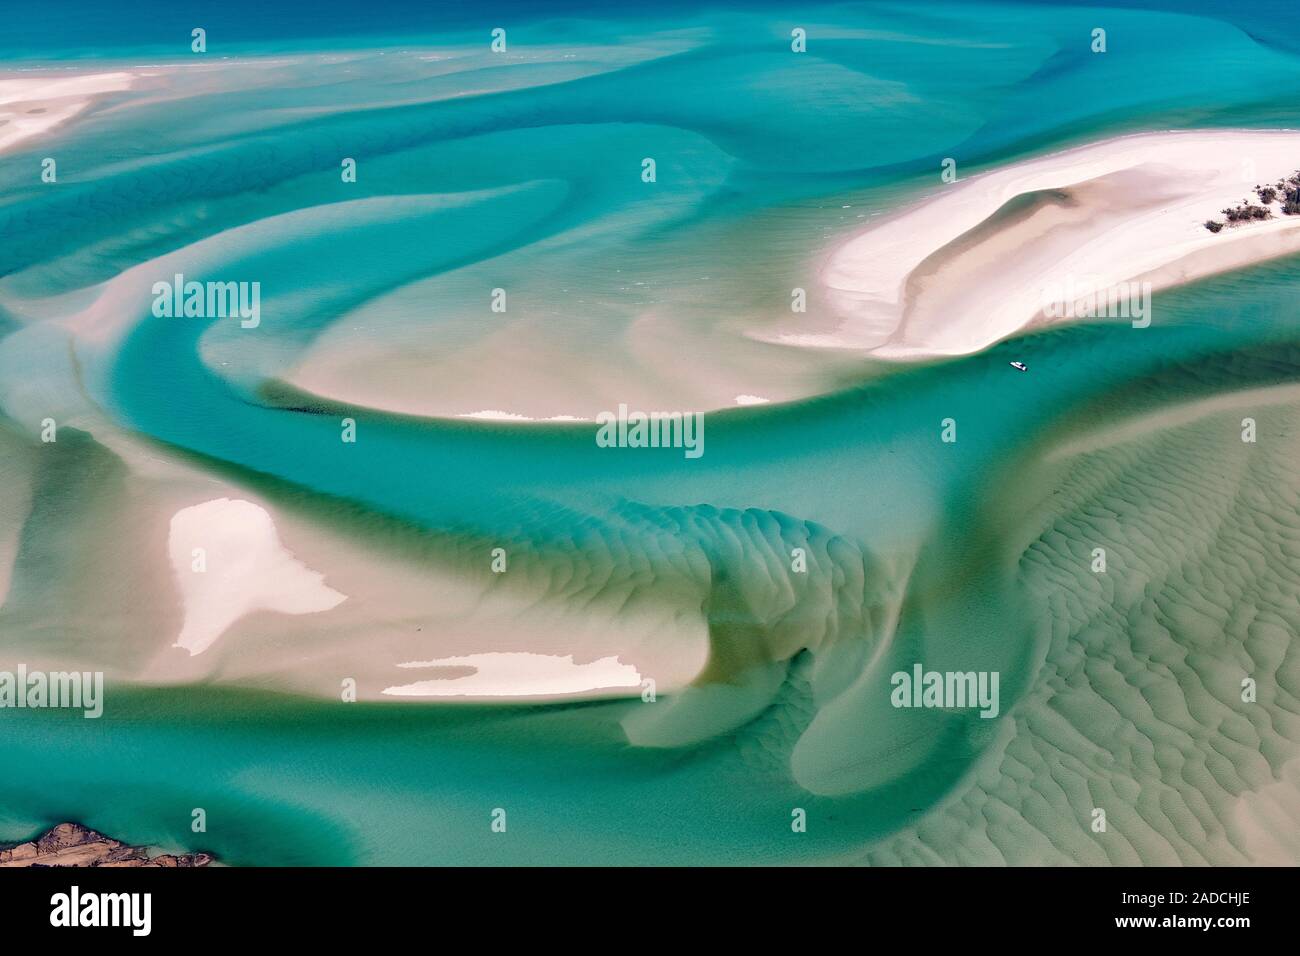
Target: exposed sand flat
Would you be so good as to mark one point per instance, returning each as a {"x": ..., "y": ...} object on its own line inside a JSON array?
[
  {"x": 33, "y": 103},
  {"x": 519, "y": 674},
  {"x": 984, "y": 257},
  {"x": 229, "y": 562},
  {"x": 496, "y": 415}
]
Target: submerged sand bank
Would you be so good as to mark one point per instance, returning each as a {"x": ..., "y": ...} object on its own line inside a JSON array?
[{"x": 993, "y": 254}]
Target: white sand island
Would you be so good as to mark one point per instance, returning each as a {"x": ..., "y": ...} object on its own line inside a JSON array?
[
  {"x": 36, "y": 102},
  {"x": 229, "y": 562},
  {"x": 520, "y": 674},
  {"x": 988, "y": 256}
]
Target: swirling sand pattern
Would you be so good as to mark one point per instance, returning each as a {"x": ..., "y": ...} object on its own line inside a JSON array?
[{"x": 1119, "y": 691}]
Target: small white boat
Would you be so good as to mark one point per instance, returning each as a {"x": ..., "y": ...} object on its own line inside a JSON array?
[{"x": 1020, "y": 365}]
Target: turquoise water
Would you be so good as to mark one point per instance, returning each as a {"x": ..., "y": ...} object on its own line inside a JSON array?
[{"x": 764, "y": 160}]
